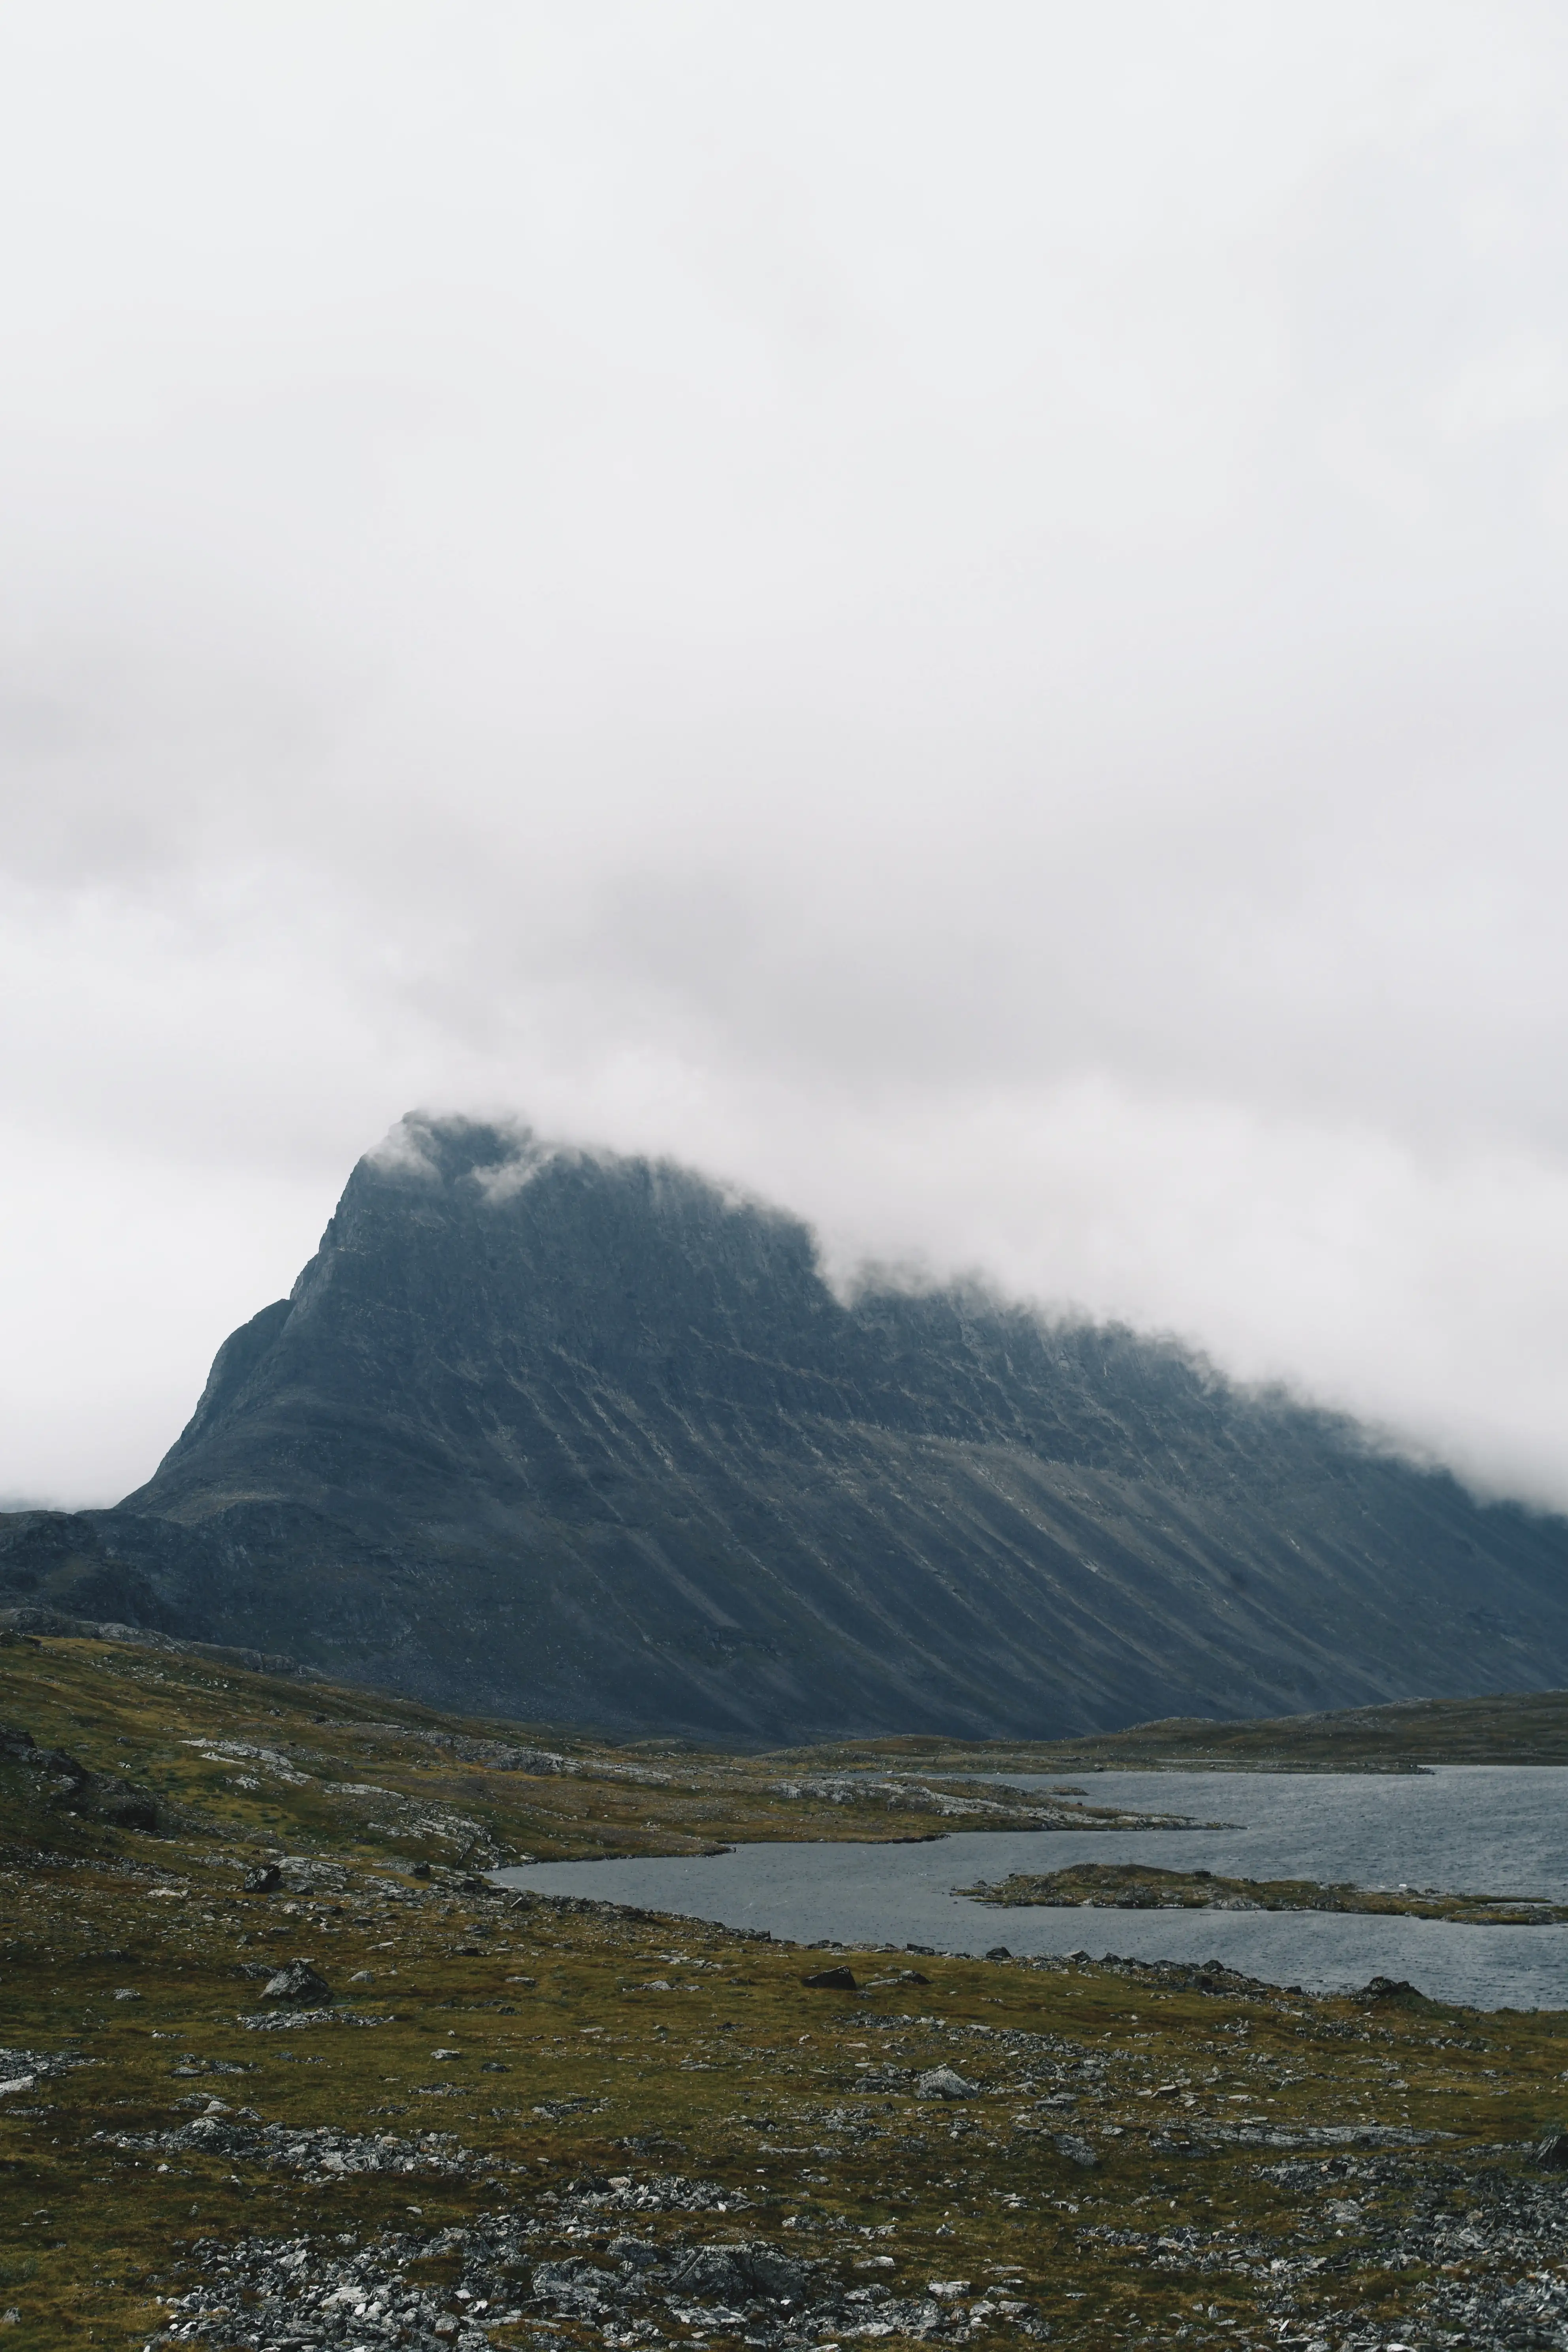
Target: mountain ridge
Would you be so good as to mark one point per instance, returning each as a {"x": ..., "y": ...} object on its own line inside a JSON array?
[{"x": 582, "y": 1438}]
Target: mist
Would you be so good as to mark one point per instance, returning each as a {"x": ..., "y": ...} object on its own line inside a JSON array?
[{"x": 953, "y": 615}]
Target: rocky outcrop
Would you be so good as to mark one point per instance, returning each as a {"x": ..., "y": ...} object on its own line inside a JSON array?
[
  {"x": 573, "y": 1437},
  {"x": 62, "y": 1783}
]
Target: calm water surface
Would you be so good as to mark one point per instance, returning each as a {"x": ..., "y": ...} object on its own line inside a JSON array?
[{"x": 1476, "y": 1829}]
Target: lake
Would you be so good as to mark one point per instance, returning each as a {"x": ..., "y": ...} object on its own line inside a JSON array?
[{"x": 1476, "y": 1829}]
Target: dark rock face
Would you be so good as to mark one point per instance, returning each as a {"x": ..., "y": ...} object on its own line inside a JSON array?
[
  {"x": 62, "y": 1559},
  {"x": 587, "y": 1439}
]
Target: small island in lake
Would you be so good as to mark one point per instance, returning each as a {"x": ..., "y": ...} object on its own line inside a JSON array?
[{"x": 1141, "y": 1887}]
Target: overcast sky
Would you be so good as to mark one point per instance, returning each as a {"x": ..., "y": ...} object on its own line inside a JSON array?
[{"x": 954, "y": 613}]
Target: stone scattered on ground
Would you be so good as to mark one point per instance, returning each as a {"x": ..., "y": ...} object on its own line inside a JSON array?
[{"x": 627, "y": 2286}]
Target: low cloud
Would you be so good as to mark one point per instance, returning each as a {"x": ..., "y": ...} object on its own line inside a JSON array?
[{"x": 957, "y": 623}]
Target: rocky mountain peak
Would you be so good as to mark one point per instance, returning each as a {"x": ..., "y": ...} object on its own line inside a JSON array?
[{"x": 559, "y": 1433}]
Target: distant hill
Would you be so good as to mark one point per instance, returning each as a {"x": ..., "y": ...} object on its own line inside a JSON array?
[
  {"x": 586, "y": 1439},
  {"x": 1404, "y": 1735}
]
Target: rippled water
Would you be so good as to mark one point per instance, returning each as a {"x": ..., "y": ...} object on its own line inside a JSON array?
[{"x": 1476, "y": 1829}]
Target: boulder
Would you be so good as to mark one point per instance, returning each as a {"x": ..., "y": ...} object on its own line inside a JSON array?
[
  {"x": 298, "y": 1986},
  {"x": 1397, "y": 1989},
  {"x": 742, "y": 2272},
  {"x": 941, "y": 2082}
]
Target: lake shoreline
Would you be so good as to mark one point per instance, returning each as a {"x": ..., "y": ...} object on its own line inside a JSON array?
[{"x": 1454, "y": 1823}]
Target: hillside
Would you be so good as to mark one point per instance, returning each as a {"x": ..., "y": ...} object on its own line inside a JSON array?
[{"x": 564, "y": 1436}]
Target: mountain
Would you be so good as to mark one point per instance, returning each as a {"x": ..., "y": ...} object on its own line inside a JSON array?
[{"x": 569, "y": 1436}]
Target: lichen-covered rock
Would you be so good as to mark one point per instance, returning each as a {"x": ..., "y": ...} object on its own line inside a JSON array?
[
  {"x": 298, "y": 1985},
  {"x": 941, "y": 2082},
  {"x": 739, "y": 2273}
]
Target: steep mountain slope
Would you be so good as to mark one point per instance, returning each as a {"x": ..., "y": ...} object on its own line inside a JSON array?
[{"x": 586, "y": 1438}]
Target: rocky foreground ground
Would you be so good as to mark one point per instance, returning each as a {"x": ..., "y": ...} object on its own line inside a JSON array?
[{"x": 266, "y": 2081}]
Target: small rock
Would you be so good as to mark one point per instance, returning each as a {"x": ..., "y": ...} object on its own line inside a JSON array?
[
  {"x": 941, "y": 2082},
  {"x": 998, "y": 1952},
  {"x": 1552, "y": 2151},
  {"x": 831, "y": 1979},
  {"x": 1078, "y": 2151},
  {"x": 126, "y": 1992},
  {"x": 298, "y": 1984},
  {"x": 263, "y": 1879}
]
